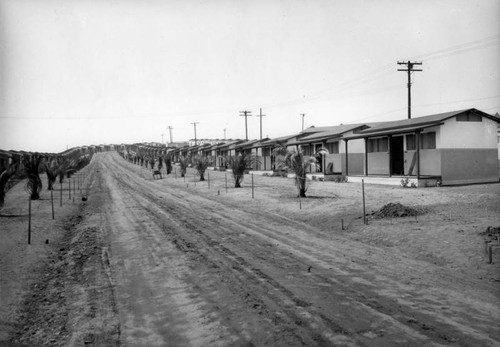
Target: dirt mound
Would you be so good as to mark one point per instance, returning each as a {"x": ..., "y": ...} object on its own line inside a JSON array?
[{"x": 395, "y": 209}]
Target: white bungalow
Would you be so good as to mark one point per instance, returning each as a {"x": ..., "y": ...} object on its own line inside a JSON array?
[{"x": 458, "y": 147}]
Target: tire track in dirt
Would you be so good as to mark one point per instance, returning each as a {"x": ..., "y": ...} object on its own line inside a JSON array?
[
  {"x": 221, "y": 244},
  {"x": 408, "y": 322}
]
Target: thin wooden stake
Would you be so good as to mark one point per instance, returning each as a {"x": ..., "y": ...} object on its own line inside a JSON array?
[
  {"x": 52, "y": 202},
  {"x": 364, "y": 207},
  {"x": 300, "y": 202},
  {"x": 342, "y": 223},
  {"x": 29, "y": 220},
  {"x": 252, "y": 187}
]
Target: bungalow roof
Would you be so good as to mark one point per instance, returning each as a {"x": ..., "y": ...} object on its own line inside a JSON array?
[
  {"x": 278, "y": 139},
  {"x": 251, "y": 143},
  {"x": 413, "y": 124},
  {"x": 314, "y": 129},
  {"x": 332, "y": 132}
]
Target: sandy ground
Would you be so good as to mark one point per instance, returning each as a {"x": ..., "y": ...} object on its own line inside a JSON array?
[{"x": 180, "y": 262}]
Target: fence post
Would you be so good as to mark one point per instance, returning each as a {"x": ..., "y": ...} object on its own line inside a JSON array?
[
  {"x": 52, "y": 201},
  {"x": 29, "y": 220},
  {"x": 252, "y": 187},
  {"x": 364, "y": 207}
]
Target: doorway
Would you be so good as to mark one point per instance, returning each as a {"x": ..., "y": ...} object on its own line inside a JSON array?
[{"x": 397, "y": 156}]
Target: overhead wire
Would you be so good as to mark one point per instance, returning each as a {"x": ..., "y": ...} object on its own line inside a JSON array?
[{"x": 332, "y": 92}]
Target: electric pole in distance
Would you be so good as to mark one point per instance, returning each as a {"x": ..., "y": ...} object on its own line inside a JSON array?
[
  {"x": 194, "y": 124},
  {"x": 409, "y": 69},
  {"x": 170, "y": 131},
  {"x": 303, "y": 115},
  {"x": 246, "y": 114},
  {"x": 261, "y": 115}
]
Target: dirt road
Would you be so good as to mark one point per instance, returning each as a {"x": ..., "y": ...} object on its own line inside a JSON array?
[{"x": 168, "y": 263}]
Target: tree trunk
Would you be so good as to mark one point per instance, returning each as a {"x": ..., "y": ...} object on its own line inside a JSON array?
[{"x": 237, "y": 181}]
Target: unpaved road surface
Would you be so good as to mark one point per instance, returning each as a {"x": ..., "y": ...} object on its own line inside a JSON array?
[{"x": 167, "y": 263}]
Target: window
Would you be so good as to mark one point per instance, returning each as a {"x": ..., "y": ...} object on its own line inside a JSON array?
[
  {"x": 428, "y": 141},
  {"x": 411, "y": 143},
  {"x": 332, "y": 147},
  {"x": 469, "y": 117},
  {"x": 378, "y": 145}
]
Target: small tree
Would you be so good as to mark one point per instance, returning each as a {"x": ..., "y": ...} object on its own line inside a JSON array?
[
  {"x": 160, "y": 162},
  {"x": 297, "y": 163},
  {"x": 184, "y": 163},
  {"x": 238, "y": 165},
  {"x": 51, "y": 169},
  {"x": 31, "y": 169},
  {"x": 201, "y": 164},
  {"x": 168, "y": 164},
  {"x": 5, "y": 177}
]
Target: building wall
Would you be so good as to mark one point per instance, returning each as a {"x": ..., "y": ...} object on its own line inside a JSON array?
[
  {"x": 469, "y": 165},
  {"x": 378, "y": 163},
  {"x": 355, "y": 146},
  {"x": 356, "y": 163},
  {"x": 430, "y": 162},
  {"x": 336, "y": 160},
  {"x": 456, "y": 134}
]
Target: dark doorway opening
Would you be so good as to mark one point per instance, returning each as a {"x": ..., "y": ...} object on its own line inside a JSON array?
[{"x": 397, "y": 156}]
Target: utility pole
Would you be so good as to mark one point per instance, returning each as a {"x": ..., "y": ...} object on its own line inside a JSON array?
[
  {"x": 170, "y": 131},
  {"x": 246, "y": 114},
  {"x": 409, "y": 69},
  {"x": 261, "y": 115},
  {"x": 194, "y": 124},
  {"x": 303, "y": 115}
]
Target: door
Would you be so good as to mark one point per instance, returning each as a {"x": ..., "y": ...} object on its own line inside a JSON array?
[{"x": 397, "y": 156}]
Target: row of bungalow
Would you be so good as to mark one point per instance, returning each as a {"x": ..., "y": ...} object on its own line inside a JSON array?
[{"x": 459, "y": 147}]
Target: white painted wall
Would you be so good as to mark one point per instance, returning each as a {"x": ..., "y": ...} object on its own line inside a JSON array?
[
  {"x": 455, "y": 134},
  {"x": 355, "y": 146}
]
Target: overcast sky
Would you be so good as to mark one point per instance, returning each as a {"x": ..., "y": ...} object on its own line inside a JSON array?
[{"x": 77, "y": 72}]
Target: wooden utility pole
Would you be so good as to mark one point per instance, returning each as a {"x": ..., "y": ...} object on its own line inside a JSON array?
[
  {"x": 303, "y": 115},
  {"x": 246, "y": 114},
  {"x": 170, "y": 131},
  {"x": 194, "y": 124},
  {"x": 261, "y": 115},
  {"x": 409, "y": 69}
]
